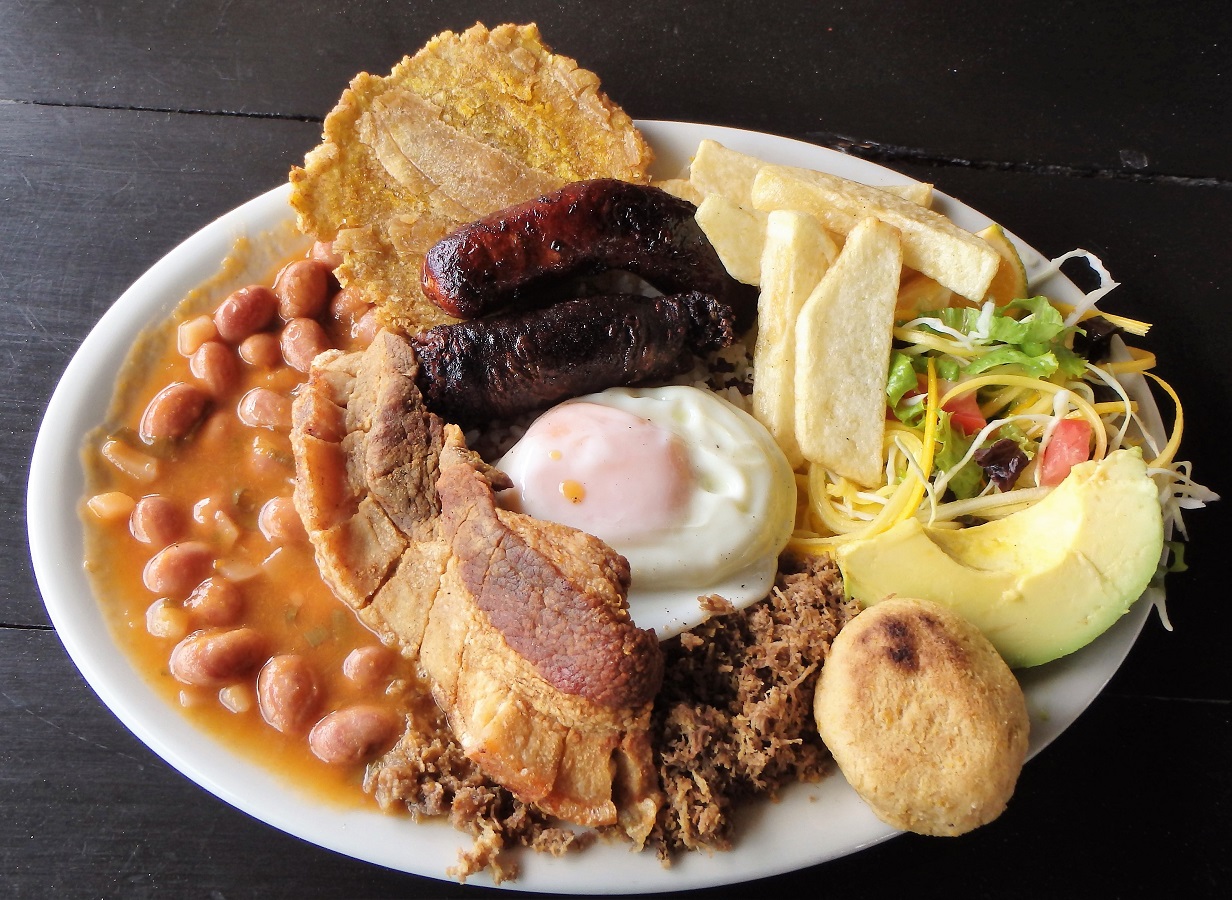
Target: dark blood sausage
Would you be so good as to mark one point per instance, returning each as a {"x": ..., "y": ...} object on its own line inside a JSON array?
[
  {"x": 582, "y": 229},
  {"x": 503, "y": 365}
]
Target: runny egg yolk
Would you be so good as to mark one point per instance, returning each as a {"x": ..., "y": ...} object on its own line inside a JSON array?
[{"x": 601, "y": 470}]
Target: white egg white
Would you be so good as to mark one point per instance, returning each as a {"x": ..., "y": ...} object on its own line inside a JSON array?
[{"x": 738, "y": 516}]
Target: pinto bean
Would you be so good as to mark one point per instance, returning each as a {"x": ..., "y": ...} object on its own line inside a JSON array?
[
  {"x": 352, "y": 734},
  {"x": 368, "y": 666},
  {"x": 302, "y": 288},
  {"x": 261, "y": 350},
  {"x": 365, "y": 328},
  {"x": 280, "y": 523},
  {"x": 175, "y": 570},
  {"x": 325, "y": 252},
  {"x": 212, "y": 658},
  {"x": 348, "y": 305},
  {"x": 245, "y": 312},
  {"x": 214, "y": 602},
  {"x": 216, "y": 366},
  {"x": 172, "y": 413},
  {"x": 156, "y": 520},
  {"x": 287, "y": 692},
  {"x": 263, "y": 408},
  {"x": 302, "y": 340},
  {"x": 271, "y": 456}
]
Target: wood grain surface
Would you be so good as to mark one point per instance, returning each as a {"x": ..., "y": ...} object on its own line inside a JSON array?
[{"x": 127, "y": 126}]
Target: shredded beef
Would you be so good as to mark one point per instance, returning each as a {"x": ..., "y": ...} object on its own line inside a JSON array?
[
  {"x": 734, "y": 719},
  {"x": 428, "y": 775}
]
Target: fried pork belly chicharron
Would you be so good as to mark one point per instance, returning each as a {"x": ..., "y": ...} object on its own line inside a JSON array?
[
  {"x": 470, "y": 124},
  {"x": 520, "y": 625}
]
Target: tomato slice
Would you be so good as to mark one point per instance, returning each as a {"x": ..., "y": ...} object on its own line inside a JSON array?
[
  {"x": 1069, "y": 445},
  {"x": 964, "y": 409},
  {"x": 965, "y": 413}
]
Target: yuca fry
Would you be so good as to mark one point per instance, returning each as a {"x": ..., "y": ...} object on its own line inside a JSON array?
[
  {"x": 843, "y": 337},
  {"x": 931, "y": 243},
  {"x": 796, "y": 256},
  {"x": 737, "y": 234}
]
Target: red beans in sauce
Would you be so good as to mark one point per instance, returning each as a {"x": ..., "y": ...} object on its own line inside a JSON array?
[
  {"x": 280, "y": 523},
  {"x": 213, "y": 658},
  {"x": 262, "y": 350},
  {"x": 347, "y": 306},
  {"x": 287, "y": 693},
  {"x": 156, "y": 520},
  {"x": 216, "y": 366},
  {"x": 353, "y": 734},
  {"x": 231, "y": 363},
  {"x": 302, "y": 340},
  {"x": 245, "y": 312},
  {"x": 324, "y": 252},
  {"x": 172, "y": 413},
  {"x": 215, "y": 602},
  {"x": 303, "y": 289},
  {"x": 175, "y": 570},
  {"x": 368, "y": 667},
  {"x": 366, "y": 328},
  {"x": 263, "y": 408}
]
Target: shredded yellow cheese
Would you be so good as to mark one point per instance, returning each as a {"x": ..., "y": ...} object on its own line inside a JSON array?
[{"x": 1166, "y": 455}]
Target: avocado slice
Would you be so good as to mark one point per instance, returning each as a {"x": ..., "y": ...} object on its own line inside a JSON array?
[{"x": 1040, "y": 583}]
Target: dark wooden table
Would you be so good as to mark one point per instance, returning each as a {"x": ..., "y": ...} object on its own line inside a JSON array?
[{"x": 127, "y": 125}]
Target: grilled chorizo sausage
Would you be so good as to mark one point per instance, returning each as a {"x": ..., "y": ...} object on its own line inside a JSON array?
[
  {"x": 510, "y": 363},
  {"x": 582, "y": 229}
]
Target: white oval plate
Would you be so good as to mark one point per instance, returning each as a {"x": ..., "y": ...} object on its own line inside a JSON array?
[{"x": 811, "y": 824}]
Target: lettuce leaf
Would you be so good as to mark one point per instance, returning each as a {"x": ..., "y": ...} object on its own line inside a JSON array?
[
  {"x": 968, "y": 480},
  {"x": 1037, "y": 343},
  {"x": 902, "y": 378}
]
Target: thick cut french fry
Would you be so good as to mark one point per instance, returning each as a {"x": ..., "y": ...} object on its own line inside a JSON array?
[
  {"x": 931, "y": 243},
  {"x": 682, "y": 188},
  {"x": 718, "y": 170},
  {"x": 843, "y": 338},
  {"x": 918, "y": 192},
  {"x": 737, "y": 234},
  {"x": 796, "y": 255}
]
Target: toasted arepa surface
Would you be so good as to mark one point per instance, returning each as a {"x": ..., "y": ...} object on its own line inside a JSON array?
[
  {"x": 471, "y": 124},
  {"x": 924, "y": 718}
]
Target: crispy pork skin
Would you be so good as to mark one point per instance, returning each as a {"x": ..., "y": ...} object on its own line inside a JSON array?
[{"x": 521, "y": 626}]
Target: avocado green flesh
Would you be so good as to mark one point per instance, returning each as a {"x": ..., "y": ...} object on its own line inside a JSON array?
[{"x": 1040, "y": 583}]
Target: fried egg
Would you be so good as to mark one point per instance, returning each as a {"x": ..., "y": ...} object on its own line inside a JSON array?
[{"x": 693, "y": 491}]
